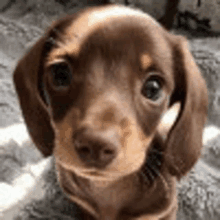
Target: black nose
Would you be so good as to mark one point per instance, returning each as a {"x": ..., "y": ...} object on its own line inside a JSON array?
[{"x": 95, "y": 149}]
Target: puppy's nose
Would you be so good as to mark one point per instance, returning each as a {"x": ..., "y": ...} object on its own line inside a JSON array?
[{"x": 95, "y": 149}]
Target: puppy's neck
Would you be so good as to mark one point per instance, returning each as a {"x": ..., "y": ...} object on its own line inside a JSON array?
[{"x": 111, "y": 197}]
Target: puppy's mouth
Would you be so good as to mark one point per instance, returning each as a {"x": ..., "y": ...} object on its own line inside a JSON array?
[{"x": 94, "y": 174}]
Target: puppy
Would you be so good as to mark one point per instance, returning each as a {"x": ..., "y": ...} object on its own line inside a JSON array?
[{"x": 121, "y": 105}]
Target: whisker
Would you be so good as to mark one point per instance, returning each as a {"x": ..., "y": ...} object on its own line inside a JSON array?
[
  {"x": 156, "y": 151},
  {"x": 164, "y": 181},
  {"x": 149, "y": 172},
  {"x": 145, "y": 177},
  {"x": 159, "y": 174},
  {"x": 169, "y": 156}
]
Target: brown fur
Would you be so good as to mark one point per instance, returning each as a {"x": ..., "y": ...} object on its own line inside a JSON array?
[{"x": 111, "y": 51}]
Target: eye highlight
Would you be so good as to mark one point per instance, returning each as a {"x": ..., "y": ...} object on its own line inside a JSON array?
[
  {"x": 61, "y": 75},
  {"x": 152, "y": 88}
]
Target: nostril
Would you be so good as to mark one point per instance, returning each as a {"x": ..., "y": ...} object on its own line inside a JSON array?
[
  {"x": 84, "y": 150},
  {"x": 107, "y": 154}
]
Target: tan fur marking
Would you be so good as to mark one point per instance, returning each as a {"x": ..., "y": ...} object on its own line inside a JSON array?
[
  {"x": 56, "y": 55},
  {"x": 146, "y": 61}
]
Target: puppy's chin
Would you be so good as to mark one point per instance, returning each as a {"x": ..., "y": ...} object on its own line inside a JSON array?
[
  {"x": 94, "y": 174},
  {"x": 99, "y": 176}
]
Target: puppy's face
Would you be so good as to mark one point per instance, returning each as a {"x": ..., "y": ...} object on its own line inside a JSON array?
[{"x": 107, "y": 79}]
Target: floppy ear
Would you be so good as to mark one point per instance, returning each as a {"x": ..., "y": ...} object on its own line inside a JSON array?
[
  {"x": 26, "y": 78},
  {"x": 184, "y": 142}
]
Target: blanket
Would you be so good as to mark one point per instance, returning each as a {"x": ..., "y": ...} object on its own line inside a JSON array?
[{"x": 28, "y": 184}]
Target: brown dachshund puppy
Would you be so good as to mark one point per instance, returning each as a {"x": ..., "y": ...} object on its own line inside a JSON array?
[{"x": 121, "y": 105}]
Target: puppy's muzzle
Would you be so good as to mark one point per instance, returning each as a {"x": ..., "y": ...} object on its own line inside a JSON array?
[{"x": 96, "y": 148}]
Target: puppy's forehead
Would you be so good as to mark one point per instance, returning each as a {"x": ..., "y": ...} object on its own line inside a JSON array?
[{"x": 95, "y": 18}]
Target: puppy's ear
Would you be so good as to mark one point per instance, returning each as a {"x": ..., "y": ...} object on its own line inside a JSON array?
[
  {"x": 26, "y": 78},
  {"x": 184, "y": 141}
]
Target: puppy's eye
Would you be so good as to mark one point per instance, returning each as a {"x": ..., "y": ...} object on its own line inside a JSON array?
[
  {"x": 152, "y": 88},
  {"x": 61, "y": 75}
]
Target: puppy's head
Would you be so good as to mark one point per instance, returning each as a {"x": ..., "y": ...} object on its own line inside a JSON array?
[{"x": 95, "y": 88}]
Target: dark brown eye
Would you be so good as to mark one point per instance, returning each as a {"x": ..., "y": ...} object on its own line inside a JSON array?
[
  {"x": 152, "y": 88},
  {"x": 61, "y": 75}
]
